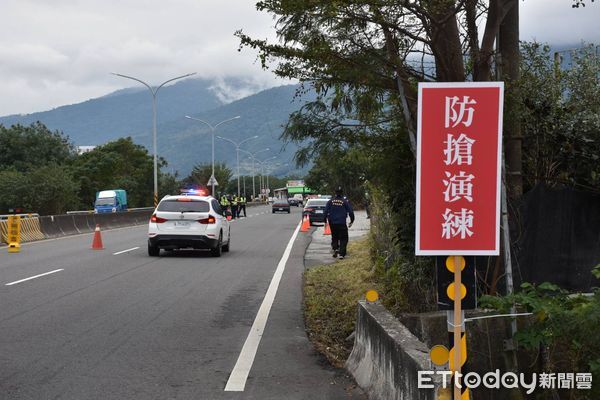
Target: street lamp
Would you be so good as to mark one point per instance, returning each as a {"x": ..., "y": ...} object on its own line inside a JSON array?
[
  {"x": 272, "y": 168},
  {"x": 153, "y": 92},
  {"x": 262, "y": 170},
  {"x": 237, "y": 150},
  {"x": 253, "y": 156},
  {"x": 212, "y": 131}
]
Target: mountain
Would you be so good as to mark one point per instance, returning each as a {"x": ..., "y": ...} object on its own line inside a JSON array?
[
  {"x": 122, "y": 113},
  {"x": 182, "y": 142}
]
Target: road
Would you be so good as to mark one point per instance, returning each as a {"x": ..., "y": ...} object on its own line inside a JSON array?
[{"x": 128, "y": 326}]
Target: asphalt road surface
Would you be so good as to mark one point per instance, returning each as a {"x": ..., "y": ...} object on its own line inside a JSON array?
[{"x": 99, "y": 325}]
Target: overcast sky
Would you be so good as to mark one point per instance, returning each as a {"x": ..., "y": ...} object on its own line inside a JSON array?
[{"x": 56, "y": 52}]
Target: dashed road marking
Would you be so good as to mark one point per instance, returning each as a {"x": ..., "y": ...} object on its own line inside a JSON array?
[
  {"x": 125, "y": 251},
  {"x": 33, "y": 277}
]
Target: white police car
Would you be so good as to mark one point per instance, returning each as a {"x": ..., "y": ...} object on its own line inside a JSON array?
[{"x": 188, "y": 221}]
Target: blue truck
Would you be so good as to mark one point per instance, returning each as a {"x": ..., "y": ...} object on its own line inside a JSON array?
[{"x": 110, "y": 201}]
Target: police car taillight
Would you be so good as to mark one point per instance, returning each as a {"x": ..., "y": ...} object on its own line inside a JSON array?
[
  {"x": 157, "y": 220},
  {"x": 209, "y": 220}
]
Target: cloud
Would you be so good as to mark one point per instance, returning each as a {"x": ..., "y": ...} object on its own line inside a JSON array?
[
  {"x": 555, "y": 22},
  {"x": 62, "y": 51}
]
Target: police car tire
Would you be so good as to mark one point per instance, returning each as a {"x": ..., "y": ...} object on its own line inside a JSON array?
[
  {"x": 153, "y": 251},
  {"x": 226, "y": 247},
  {"x": 218, "y": 250}
]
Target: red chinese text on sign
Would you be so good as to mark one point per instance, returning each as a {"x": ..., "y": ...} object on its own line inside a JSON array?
[{"x": 458, "y": 168}]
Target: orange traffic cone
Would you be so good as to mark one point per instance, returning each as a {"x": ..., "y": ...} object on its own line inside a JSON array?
[
  {"x": 305, "y": 224},
  {"x": 327, "y": 230},
  {"x": 97, "y": 242}
]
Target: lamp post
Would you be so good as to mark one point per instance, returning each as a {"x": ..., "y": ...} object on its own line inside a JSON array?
[
  {"x": 212, "y": 131},
  {"x": 237, "y": 150},
  {"x": 262, "y": 170},
  {"x": 253, "y": 156},
  {"x": 153, "y": 92},
  {"x": 271, "y": 169}
]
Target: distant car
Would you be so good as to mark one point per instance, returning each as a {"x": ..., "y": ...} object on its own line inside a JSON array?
[
  {"x": 315, "y": 210},
  {"x": 281, "y": 205},
  {"x": 196, "y": 222},
  {"x": 294, "y": 201}
]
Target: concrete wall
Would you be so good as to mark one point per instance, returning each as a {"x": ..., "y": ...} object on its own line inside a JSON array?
[
  {"x": 52, "y": 226},
  {"x": 386, "y": 357},
  {"x": 389, "y": 352}
]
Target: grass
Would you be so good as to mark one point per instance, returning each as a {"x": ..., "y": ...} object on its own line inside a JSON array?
[{"x": 331, "y": 293}]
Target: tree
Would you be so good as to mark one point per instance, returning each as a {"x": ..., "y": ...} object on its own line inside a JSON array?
[
  {"x": 345, "y": 168},
  {"x": 14, "y": 189},
  {"x": 364, "y": 51},
  {"x": 49, "y": 189},
  {"x": 364, "y": 58},
  {"x": 26, "y": 147},
  {"x": 53, "y": 190},
  {"x": 168, "y": 184},
  {"x": 120, "y": 164},
  {"x": 559, "y": 110},
  {"x": 201, "y": 174}
]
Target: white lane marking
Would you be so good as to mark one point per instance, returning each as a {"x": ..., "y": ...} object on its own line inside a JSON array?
[
  {"x": 239, "y": 375},
  {"x": 125, "y": 251},
  {"x": 33, "y": 277}
]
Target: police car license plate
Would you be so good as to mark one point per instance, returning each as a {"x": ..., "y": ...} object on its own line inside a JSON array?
[
  {"x": 280, "y": 209},
  {"x": 318, "y": 211},
  {"x": 181, "y": 224}
]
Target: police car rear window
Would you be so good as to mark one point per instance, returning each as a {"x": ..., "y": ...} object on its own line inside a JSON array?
[
  {"x": 174, "y": 205},
  {"x": 317, "y": 203}
]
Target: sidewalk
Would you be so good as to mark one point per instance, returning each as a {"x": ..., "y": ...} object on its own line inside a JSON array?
[{"x": 318, "y": 252}]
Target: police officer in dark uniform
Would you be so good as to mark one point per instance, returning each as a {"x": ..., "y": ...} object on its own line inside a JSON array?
[{"x": 337, "y": 211}]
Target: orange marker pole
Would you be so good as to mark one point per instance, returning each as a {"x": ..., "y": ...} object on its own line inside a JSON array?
[{"x": 457, "y": 323}]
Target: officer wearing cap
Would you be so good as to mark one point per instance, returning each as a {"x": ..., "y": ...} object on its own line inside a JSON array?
[{"x": 337, "y": 211}]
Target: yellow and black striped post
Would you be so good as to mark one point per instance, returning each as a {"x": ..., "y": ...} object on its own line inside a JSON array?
[{"x": 155, "y": 199}]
